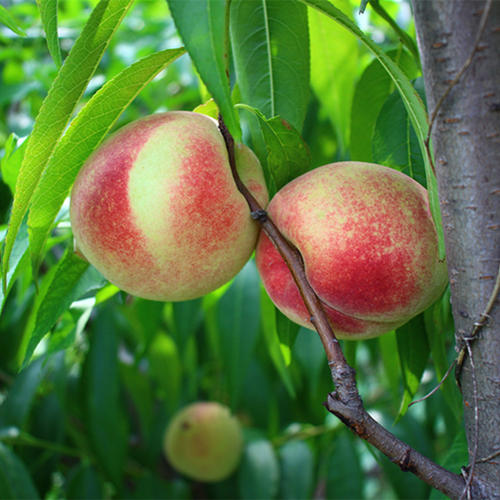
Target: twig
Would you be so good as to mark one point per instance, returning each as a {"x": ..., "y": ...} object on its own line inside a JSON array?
[
  {"x": 345, "y": 402},
  {"x": 441, "y": 382}
]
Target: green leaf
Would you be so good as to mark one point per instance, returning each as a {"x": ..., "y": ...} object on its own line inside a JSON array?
[
  {"x": 394, "y": 141},
  {"x": 165, "y": 368},
  {"x": 272, "y": 35},
  {"x": 297, "y": 470},
  {"x": 104, "y": 416},
  {"x": 440, "y": 328},
  {"x": 345, "y": 476},
  {"x": 286, "y": 155},
  {"x": 72, "y": 280},
  {"x": 414, "y": 352},
  {"x": 273, "y": 342},
  {"x": 84, "y": 482},
  {"x": 58, "y": 106},
  {"x": 259, "y": 471},
  {"x": 15, "y": 408},
  {"x": 15, "y": 481},
  {"x": 8, "y": 20},
  {"x": 335, "y": 57},
  {"x": 372, "y": 90},
  {"x": 238, "y": 315},
  {"x": 287, "y": 329},
  {"x": 187, "y": 316},
  {"x": 309, "y": 351},
  {"x": 84, "y": 135},
  {"x": 202, "y": 27},
  {"x": 17, "y": 262},
  {"x": 11, "y": 161},
  {"x": 456, "y": 458},
  {"x": 413, "y": 104},
  {"x": 48, "y": 13},
  {"x": 388, "y": 348}
]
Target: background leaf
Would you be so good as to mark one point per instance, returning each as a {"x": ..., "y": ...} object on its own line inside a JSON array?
[
  {"x": 238, "y": 315},
  {"x": 104, "y": 417},
  {"x": 394, "y": 141},
  {"x": 72, "y": 279},
  {"x": 414, "y": 352},
  {"x": 15, "y": 481},
  {"x": 259, "y": 471},
  {"x": 8, "y": 20},
  {"x": 371, "y": 92},
  {"x": 297, "y": 470},
  {"x": 334, "y": 58}
]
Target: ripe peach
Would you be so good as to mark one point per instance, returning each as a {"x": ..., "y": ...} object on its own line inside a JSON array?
[
  {"x": 156, "y": 211},
  {"x": 369, "y": 247},
  {"x": 204, "y": 441}
]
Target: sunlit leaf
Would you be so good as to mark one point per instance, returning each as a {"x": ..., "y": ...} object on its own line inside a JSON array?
[
  {"x": 335, "y": 58},
  {"x": 58, "y": 106},
  {"x": 48, "y": 13},
  {"x": 8, "y": 20},
  {"x": 272, "y": 35},
  {"x": 202, "y": 26}
]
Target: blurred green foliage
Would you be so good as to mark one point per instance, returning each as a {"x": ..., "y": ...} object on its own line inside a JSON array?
[{"x": 89, "y": 377}]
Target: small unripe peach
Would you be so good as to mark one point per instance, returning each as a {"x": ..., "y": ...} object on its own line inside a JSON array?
[
  {"x": 369, "y": 246},
  {"x": 155, "y": 209},
  {"x": 204, "y": 442}
]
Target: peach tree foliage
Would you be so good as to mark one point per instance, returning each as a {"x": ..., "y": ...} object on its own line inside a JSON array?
[{"x": 89, "y": 376}]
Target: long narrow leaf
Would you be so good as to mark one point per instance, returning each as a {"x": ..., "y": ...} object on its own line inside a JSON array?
[
  {"x": 8, "y": 20},
  {"x": 59, "y": 104},
  {"x": 202, "y": 27},
  {"x": 85, "y": 133},
  {"x": 48, "y": 13},
  {"x": 413, "y": 103},
  {"x": 272, "y": 35}
]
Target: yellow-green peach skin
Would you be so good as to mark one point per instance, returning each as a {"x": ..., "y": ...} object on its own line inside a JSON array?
[
  {"x": 369, "y": 245},
  {"x": 155, "y": 209},
  {"x": 204, "y": 441}
]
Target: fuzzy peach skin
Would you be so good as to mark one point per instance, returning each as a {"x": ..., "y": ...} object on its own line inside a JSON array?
[
  {"x": 204, "y": 441},
  {"x": 369, "y": 246},
  {"x": 156, "y": 211}
]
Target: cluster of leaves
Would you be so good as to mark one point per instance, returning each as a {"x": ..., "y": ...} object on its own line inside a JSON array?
[{"x": 89, "y": 377}]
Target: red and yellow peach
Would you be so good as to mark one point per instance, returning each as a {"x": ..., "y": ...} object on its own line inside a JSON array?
[
  {"x": 155, "y": 209},
  {"x": 369, "y": 246}
]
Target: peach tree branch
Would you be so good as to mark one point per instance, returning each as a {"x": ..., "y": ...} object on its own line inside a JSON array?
[{"x": 345, "y": 402}]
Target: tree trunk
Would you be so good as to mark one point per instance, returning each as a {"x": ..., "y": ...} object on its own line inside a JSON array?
[{"x": 466, "y": 143}]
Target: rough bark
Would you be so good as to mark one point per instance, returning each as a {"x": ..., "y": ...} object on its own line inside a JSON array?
[{"x": 466, "y": 143}]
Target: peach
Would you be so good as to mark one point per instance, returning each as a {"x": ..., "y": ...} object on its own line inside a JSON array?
[
  {"x": 368, "y": 243},
  {"x": 204, "y": 441},
  {"x": 156, "y": 211}
]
